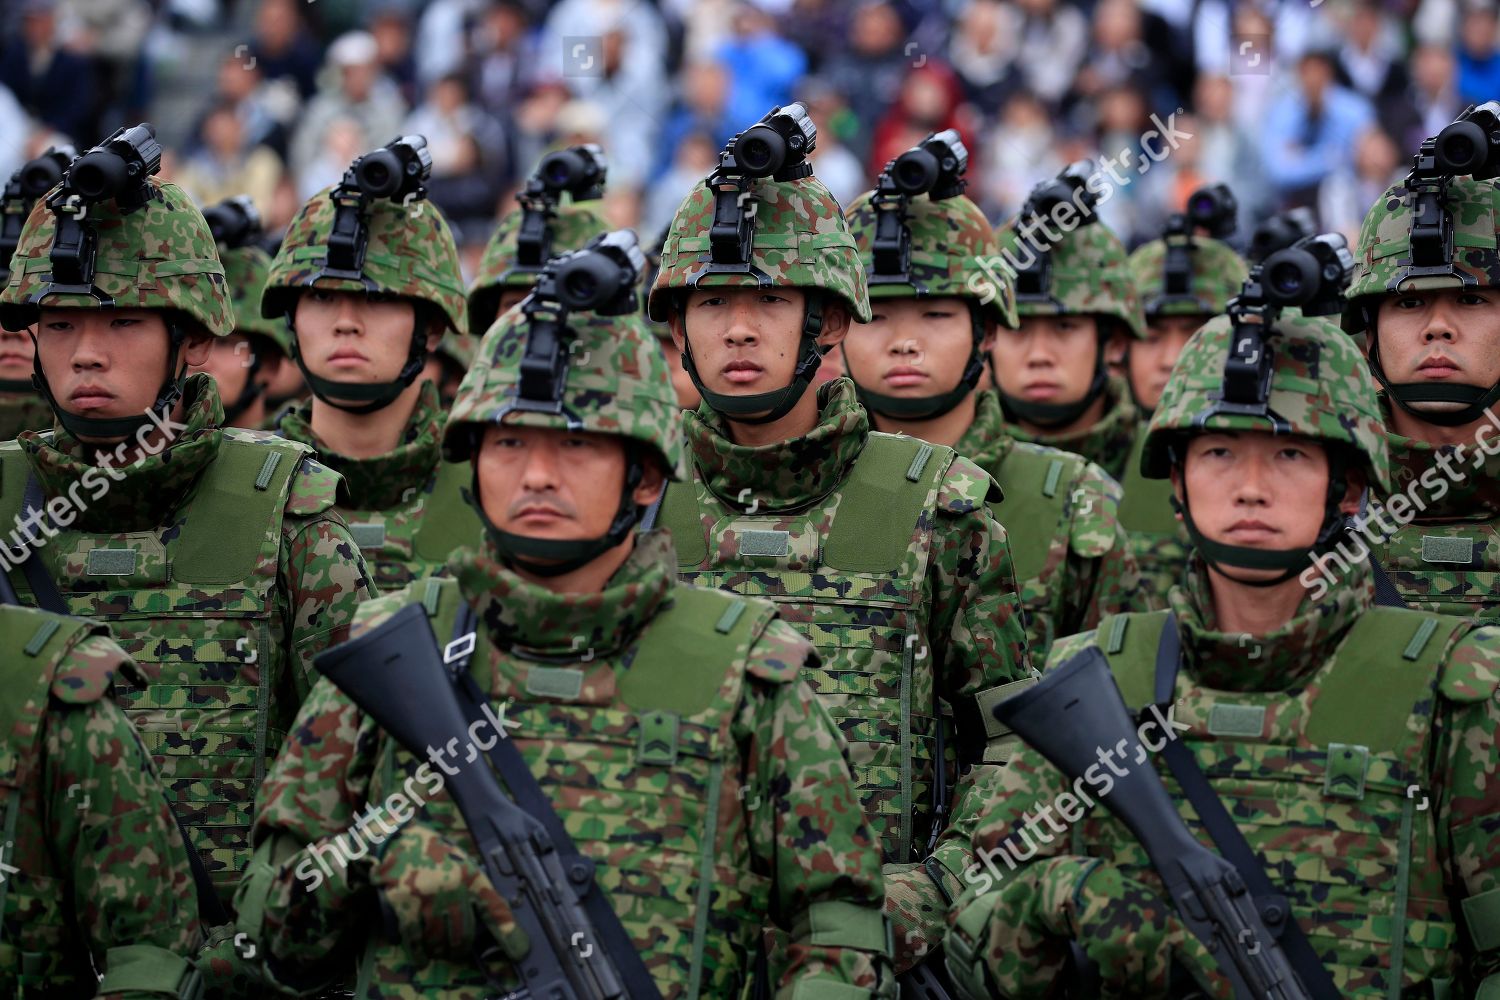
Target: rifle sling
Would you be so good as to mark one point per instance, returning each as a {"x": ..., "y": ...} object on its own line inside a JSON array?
[
  {"x": 523, "y": 787},
  {"x": 1274, "y": 907},
  {"x": 43, "y": 589},
  {"x": 1386, "y": 594}
]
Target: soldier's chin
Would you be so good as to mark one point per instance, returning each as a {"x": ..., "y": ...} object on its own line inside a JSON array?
[{"x": 1436, "y": 407}]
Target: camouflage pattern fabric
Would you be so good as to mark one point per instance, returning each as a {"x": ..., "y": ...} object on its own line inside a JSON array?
[
  {"x": 404, "y": 509},
  {"x": 1107, "y": 442},
  {"x": 800, "y": 241},
  {"x": 162, "y": 256},
  {"x": 1218, "y": 273},
  {"x": 411, "y": 254},
  {"x": 94, "y": 858},
  {"x": 759, "y": 794},
  {"x": 571, "y": 228},
  {"x": 221, "y": 589},
  {"x": 1090, "y": 276},
  {"x": 245, "y": 272},
  {"x": 1338, "y": 855},
  {"x": 23, "y": 411}
]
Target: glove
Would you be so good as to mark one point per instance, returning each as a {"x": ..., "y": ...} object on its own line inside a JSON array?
[{"x": 438, "y": 896}]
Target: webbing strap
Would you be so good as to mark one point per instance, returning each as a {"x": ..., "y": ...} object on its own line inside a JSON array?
[
  {"x": 523, "y": 787},
  {"x": 43, "y": 590},
  {"x": 1386, "y": 594},
  {"x": 705, "y": 881},
  {"x": 1398, "y": 915},
  {"x": 1227, "y": 836},
  {"x": 12, "y": 810},
  {"x": 1482, "y": 915}
]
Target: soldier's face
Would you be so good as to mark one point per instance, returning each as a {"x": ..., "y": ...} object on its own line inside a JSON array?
[
  {"x": 103, "y": 363},
  {"x": 547, "y": 483},
  {"x": 1260, "y": 491},
  {"x": 229, "y": 361},
  {"x": 1050, "y": 359},
  {"x": 1150, "y": 361},
  {"x": 16, "y": 350},
  {"x": 744, "y": 340},
  {"x": 356, "y": 338},
  {"x": 912, "y": 347},
  {"x": 508, "y": 298},
  {"x": 1446, "y": 337}
]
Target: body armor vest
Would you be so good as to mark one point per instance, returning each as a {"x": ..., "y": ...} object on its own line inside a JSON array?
[
  {"x": 849, "y": 574},
  {"x": 646, "y": 778},
  {"x": 192, "y": 602},
  {"x": 1158, "y": 540},
  {"x": 23, "y": 411},
  {"x": 1330, "y": 783},
  {"x": 413, "y": 540}
]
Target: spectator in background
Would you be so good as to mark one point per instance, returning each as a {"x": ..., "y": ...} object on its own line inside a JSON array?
[
  {"x": 694, "y": 158},
  {"x": 391, "y": 28},
  {"x": 836, "y": 165},
  {"x": 1047, "y": 40},
  {"x": 1229, "y": 154},
  {"x": 1123, "y": 118},
  {"x": 1371, "y": 61},
  {"x": 358, "y": 92},
  {"x": 442, "y": 42},
  {"x": 1121, "y": 51},
  {"x": 1019, "y": 153},
  {"x": 1434, "y": 94},
  {"x": 265, "y": 108},
  {"x": 869, "y": 70},
  {"x": 1310, "y": 130},
  {"x": 52, "y": 83},
  {"x": 702, "y": 99},
  {"x": 1478, "y": 58},
  {"x": 502, "y": 54},
  {"x": 228, "y": 165},
  {"x": 930, "y": 100},
  {"x": 342, "y": 139},
  {"x": 468, "y": 150},
  {"x": 1347, "y": 194},
  {"x": 977, "y": 53},
  {"x": 284, "y": 47},
  {"x": 113, "y": 33},
  {"x": 17, "y": 137},
  {"x": 762, "y": 66}
]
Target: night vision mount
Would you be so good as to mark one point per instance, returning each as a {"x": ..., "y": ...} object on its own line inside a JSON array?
[
  {"x": 1469, "y": 146},
  {"x": 578, "y": 170},
  {"x": 118, "y": 170},
  {"x": 1212, "y": 209},
  {"x": 777, "y": 147},
  {"x": 399, "y": 170},
  {"x": 34, "y": 179},
  {"x": 934, "y": 167},
  {"x": 1034, "y": 281},
  {"x": 1312, "y": 275},
  {"x": 602, "y": 278},
  {"x": 234, "y": 222}
]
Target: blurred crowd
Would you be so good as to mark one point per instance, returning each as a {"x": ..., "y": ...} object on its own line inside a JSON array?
[{"x": 1315, "y": 103}]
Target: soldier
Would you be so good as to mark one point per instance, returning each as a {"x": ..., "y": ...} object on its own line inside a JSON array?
[
  {"x": 503, "y": 280},
  {"x": 448, "y": 365},
  {"x": 668, "y": 725},
  {"x": 96, "y": 875},
  {"x": 1431, "y": 319},
  {"x": 1349, "y": 749},
  {"x": 214, "y": 554},
  {"x": 244, "y": 363},
  {"x": 880, "y": 549},
  {"x": 1183, "y": 280},
  {"x": 367, "y": 280},
  {"x": 916, "y": 365},
  {"x": 22, "y": 408}
]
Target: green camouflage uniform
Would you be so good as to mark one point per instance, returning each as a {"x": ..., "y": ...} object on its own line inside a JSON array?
[
  {"x": 95, "y": 868},
  {"x": 405, "y": 508},
  {"x": 219, "y": 563},
  {"x": 1355, "y": 747},
  {"x": 879, "y": 548},
  {"x": 1447, "y": 558},
  {"x": 670, "y": 725}
]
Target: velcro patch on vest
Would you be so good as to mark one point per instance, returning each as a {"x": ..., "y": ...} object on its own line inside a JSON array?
[
  {"x": 775, "y": 544},
  {"x": 554, "y": 682},
  {"x": 1346, "y": 768},
  {"x": 658, "y": 739},
  {"x": 368, "y": 536},
  {"x": 110, "y": 562},
  {"x": 1447, "y": 549},
  {"x": 1237, "y": 720}
]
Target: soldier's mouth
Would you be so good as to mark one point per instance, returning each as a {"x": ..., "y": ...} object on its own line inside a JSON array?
[
  {"x": 1438, "y": 367},
  {"x": 742, "y": 371}
]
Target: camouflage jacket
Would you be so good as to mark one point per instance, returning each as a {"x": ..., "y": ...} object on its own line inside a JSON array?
[
  {"x": 1333, "y": 836},
  {"x": 781, "y": 827},
  {"x": 1446, "y": 558},
  {"x": 23, "y": 411},
  {"x": 959, "y": 635},
  {"x": 404, "y": 510},
  {"x": 94, "y": 860},
  {"x": 1082, "y": 568},
  {"x": 1159, "y": 544}
]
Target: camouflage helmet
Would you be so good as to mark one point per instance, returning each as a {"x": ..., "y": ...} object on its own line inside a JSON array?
[
  {"x": 411, "y": 253},
  {"x": 1218, "y": 273},
  {"x": 159, "y": 256},
  {"x": 952, "y": 246},
  {"x": 571, "y": 227},
  {"x": 800, "y": 241},
  {"x": 457, "y": 351},
  {"x": 245, "y": 270},
  {"x": 1321, "y": 388},
  {"x": 1088, "y": 274}
]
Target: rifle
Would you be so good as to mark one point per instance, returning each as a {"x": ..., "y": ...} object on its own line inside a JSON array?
[
  {"x": 1078, "y": 707},
  {"x": 396, "y": 674}
]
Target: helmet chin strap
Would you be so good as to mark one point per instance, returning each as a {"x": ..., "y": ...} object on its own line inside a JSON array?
[
  {"x": 1054, "y": 416},
  {"x": 777, "y": 403},
  {"x": 252, "y": 391},
  {"x": 1474, "y": 399},
  {"x": 929, "y": 407},
  {"x": 17, "y": 385},
  {"x": 1290, "y": 562},
  {"x": 118, "y": 428},
  {"x": 367, "y": 397}
]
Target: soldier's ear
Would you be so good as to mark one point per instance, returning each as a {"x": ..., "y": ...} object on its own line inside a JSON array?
[
  {"x": 991, "y": 326},
  {"x": 653, "y": 481},
  {"x": 1177, "y": 489},
  {"x": 1355, "y": 482},
  {"x": 675, "y": 324},
  {"x": 196, "y": 344},
  {"x": 434, "y": 332},
  {"x": 835, "y": 323}
]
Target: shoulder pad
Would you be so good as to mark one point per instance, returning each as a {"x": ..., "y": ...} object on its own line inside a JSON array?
[
  {"x": 1070, "y": 646},
  {"x": 1094, "y": 503},
  {"x": 374, "y": 612},
  {"x": 1472, "y": 671},
  {"x": 966, "y": 487},
  {"x": 87, "y": 672},
  {"x": 315, "y": 488},
  {"x": 779, "y": 655}
]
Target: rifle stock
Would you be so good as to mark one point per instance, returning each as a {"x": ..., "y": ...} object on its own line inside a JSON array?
[
  {"x": 1076, "y": 709},
  {"x": 396, "y": 675}
]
